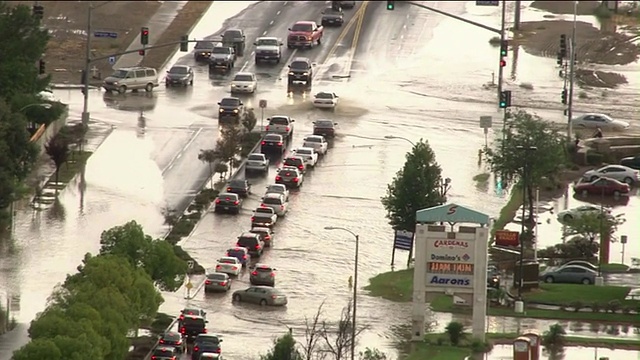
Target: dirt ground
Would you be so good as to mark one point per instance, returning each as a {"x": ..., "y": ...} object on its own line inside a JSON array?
[{"x": 180, "y": 26}]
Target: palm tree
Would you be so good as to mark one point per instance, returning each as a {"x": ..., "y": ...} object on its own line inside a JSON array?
[
  {"x": 58, "y": 150},
  {"x": 209, "y": 156}
]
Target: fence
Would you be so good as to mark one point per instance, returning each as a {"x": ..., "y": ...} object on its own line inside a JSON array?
[{"x": 44, "y": 132}]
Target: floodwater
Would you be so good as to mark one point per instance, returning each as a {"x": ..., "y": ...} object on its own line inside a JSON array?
[{"x": 391, "y": 92}]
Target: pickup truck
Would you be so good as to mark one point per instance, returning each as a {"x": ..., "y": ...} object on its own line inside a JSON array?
[
  {"x": 304, "y": 34},
  {"x": 268, "y": 49},
  {"x": 264, "y": 216},
  {"x": 282, "y": 125},
  {"x": 222, "y": 57}
]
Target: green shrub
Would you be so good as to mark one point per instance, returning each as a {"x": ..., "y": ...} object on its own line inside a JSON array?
[
  {"x": 595, "y": 307},
  {"x": 172, "y": 238},
  {"x": 577, "y": 305},
  {"x": 441, "y": 341},
  {"x": 205, "y": 197},
  {"x": 613, "y": 306},
  {"x": 197, "y": 268},
  {"x": 480, "y": 347},
  {"x": 249, "y": 141},
  {"x": 193, "y": 216},
  {"x": 455, "y": 331},
  {"x": 183, "y": 227},
  {"x": 602, "y": 12}
]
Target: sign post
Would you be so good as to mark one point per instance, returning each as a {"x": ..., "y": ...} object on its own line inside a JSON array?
[
  {"x": 485, "y": 124},
  {"x": 450, "y": 262},
  {"x": 263, "y": 105},
  {"x": 189, "y": 284}
]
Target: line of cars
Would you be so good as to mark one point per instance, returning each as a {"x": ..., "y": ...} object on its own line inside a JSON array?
[{"x": 609, "y": 180}]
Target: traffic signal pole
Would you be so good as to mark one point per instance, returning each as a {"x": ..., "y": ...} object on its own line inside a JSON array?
[
  {"x": 501, "y": 68},
  {"x": 572, "y": 75},
  {"x": 85, "y": 73}
]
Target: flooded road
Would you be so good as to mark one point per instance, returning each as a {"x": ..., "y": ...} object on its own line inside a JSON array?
[{"x": 150, "y": 162}]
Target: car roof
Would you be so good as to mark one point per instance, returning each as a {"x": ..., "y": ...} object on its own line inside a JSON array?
[
  {"x": 273, "y": 135},
  {"x": 172, "y": 334},
  {"x": 257, "y": 154},
  {"x": 193, "y": 317},
  {"x": 304, "y": 59},
  {"x": 278, "y": 185},
  {"x": 273, "y": 195},
  {"x": 263, "y": 266},
  {"x": 245, "y": 73},
  {"x": 305, "y": 148},
  {"x": 191, "y": 309},
  {"x": 314, "y": 137},
  {"x": 289, "y": 168},
  {"x": 226, "y": 194},
  {"x": 260, "y": 228},
  {"x": 229, "y": 258},
  {"x": 294, "y": 157},
  {"x": 238, "y": 248},
  {"x": 218, "y": 273},
  {"x": 248, "y": 234},
  {"x": 306, "y": 22},
  {"x": 230, "y": 98},
  {"x": 181, "y": 66},
  {"x": 238, "y": 181},
  {"x": 267, "y": 38}
]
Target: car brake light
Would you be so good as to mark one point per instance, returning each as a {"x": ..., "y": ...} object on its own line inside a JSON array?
[
  {"x": 295, "y": 179},
  {"x": 182, "y": 317},
  {"x": 204, "y": 331},
  {"x": 183, "y": 330},
  {"x": 234, "y": 268},
  {"x": 263, "y": 205},
  {"x": 206, "y": 282},
  {"x": 254, "y": 273},
  {"x": 153, "y": 358},
  {"x": 236, "y": 202},
  {"x": 273, "y": 297},
  {"x": 218, "y": 350},
  {"x": 281, "y": 208},
  {"x": 287, "y": 128},
  {"x": 279, "y": 143},
  {"x": 300, "y": 167},
  {"x": 244, "y": 257},
  {"x": 195, "y": 349},
  {"x": 278, "y": 178},
  {"x": 253, "y": 218},
  {"x": 223, "y": 283},
  {"x": 267, "y": 237},
  {"x": 267, "y": 128},
  {"x": 228, "y": 189},
  {"x": 227, "y": 199},
  {"x": 257, "y": 247},
  {"x": 161, "y": 341},
  {"x": 263, "y": 143},
  {"x": 217, "y": 201},
  {"x": 273, "y": 274},
  {"x": 218, "y": 266}
]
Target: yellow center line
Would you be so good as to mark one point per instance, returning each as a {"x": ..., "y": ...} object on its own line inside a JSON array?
[
  {"x": 357, "y": 17},
  {"x": 356, "y": 37}
]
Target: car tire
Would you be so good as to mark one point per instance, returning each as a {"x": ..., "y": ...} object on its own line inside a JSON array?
[
  {"x": 263, "y": 302},
  {"x": 122, "y": 89},
  {"x": 567, "y": 218},
  {"x": 320, "y": 40},
  {"x": 191, "y": 82},
  {"x": 586, "y": 281},
  {"x": 167, "y": 84},
  {"x": 548, "y": 279},
  {"x": 628, "y": 181},
  {"x": 149, "y": 87},
  {"x": 236, "y": 298}
]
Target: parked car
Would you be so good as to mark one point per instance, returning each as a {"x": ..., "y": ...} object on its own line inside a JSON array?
[
  {"x": 602, "y": 186},
  {"x": 242, "y": 187},
  {"x": 263, "y": 295},
  {"x": 583, "y": 263},
  {"x": 257, "y": 163},
  {"x": 325, "y": 100},
  {"x": 618, "y": 172},
  {"x": 265, "y": 233},
  {"x": 602, "y": 121},
  {"x": 272, "y": 143},
  {"x": 572, "y": 274},
  {"x": 631, "y": 162},
  {"x": 277, "y": 202},
  {"x": 206, "y": 343},
  {"x": 263, "y": 274},
  {"x": 217, "y": 282},
  {"x": 179, "y": 75},
  {"x": 244, "y": 82},
  {"x": 317, "y": 142},
  {"x": 227, "y": 202},
  {"x": 577, "y": 212},
  {"x": 309, "y": 155},
  {"x": 240, "y": 253},
  {"x": 326, "y": 128},
  {"x": 229, "y": 265}
]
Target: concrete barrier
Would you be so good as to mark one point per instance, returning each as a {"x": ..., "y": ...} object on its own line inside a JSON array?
[{"x": 44, "y": 133}]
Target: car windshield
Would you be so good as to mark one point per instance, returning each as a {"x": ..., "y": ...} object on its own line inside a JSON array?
[
  {"x": 230, "y": 102},
  {"x": 189, "y": 311},
  {"x": 287, "y": 172},
  {"x": 264, "y": 210},
  {"x": 172, "y": 336},
  {"x": 324, "y": 123},
  {"x": 221, "y": 50},
  {"x": 237, "y": 183},
  {"x": 194, "y": 321},
  {"x": 304, "y": 152},
  {"x": 256, "y": 157},
  {"x": 272, "y": 137},
  {"x": 272, "y": 201},
  {"x": 235, "y": 252},
  {"x": 227, "y": 261},
  {"x": 268, "y": 42},
  {"x": 324, "y": 95},
  {"x": 208, "y": 340},
  {"x": 331, "y": 11},
  {"x": 264, "y": 269},
  {"x": 120, "y": 74},
  {"x": 279, "y": 121},
  {"x": 292, "y": 161},
  {"x": 208, "y": 45},
  {"x": 243, "y": 77},
  {"x": 216, "y": 277},
  {"x": 232, "y": 34},
  {"x": 299, "y": 65},
  {"x": 181, "y": 70},
  {"x": 313, "y": 139},
  {"x": 163, "y": 352},
  {"x": 302, "y": 27}
]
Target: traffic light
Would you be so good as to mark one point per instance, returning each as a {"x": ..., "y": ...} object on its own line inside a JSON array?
[
  {"x": 184, "y": 43},
  {"x": 144, "y": 35},
  {"x": 563, "y": 46},
  {"x": 504, "y": 46},
  {"x": 141, "y": 52},
  {"x": 391, "y": 5},
  {"x": 564, "y": 96},
  {"x": 38, "y": 11},
  {"x": 560, "y": 59},
  {"x": 505, "y": 99},
  {"x": 41, "y": 67},
  {"x": 503, "y": 63}
]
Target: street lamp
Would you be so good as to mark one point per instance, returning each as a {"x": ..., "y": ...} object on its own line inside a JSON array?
[
  {"x": 391, "y": 137},
  {"x": 355, "y": 287},
  {"x": 525, "y": 175},
  {"x": 87, "y": 63}
]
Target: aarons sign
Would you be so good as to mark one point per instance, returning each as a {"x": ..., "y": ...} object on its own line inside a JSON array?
[{"x": 447, "y": 280}]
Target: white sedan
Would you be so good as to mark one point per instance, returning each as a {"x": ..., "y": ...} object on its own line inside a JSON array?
[
  {"x": 575, "y": 213},
  {"x": 618, "y": 172},
  {"x": 325, "y": 100},
  {"x": 309, "y": 155},
  {"x": 244, "y": 82},
  {"x": 602, "y": 121},
  {"x": 317, "y": 142},
  {"x": 229, "y": 265}
]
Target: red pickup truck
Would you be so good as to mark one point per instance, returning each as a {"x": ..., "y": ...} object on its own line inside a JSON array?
[{"x": 304, "y": 34}]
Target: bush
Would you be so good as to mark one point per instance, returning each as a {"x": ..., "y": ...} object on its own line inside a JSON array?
[
  {"x": 554, "y": 337},
  {"x": 627, "y": 310},
  {"x": 577, "y": 305},
  {"x": 197, "y": 268},
  {"x": 613, "y": 306},
  {"x": 594, "y": 158},
  {"x": 205, "y": 197},
  {"x": 183, "y": 227},
  {"x": 480, "y": 347},
  {"x": 249, "y": 141},
  {"x": 602, "y": 12},
  {"x": 596, "y": 307},
  {"x": 172, "y": 238},
  {"x": 455, "y": 331},
  {"x": 441, "y": 341}
]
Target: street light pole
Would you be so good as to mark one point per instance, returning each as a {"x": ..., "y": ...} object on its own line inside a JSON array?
[
  {"x": 355, "y": 287},
  {"x": 525, "y": 175},
  {"x": 391, "y": 137}
]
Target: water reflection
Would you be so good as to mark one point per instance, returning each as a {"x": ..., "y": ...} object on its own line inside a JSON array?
[
  {"x": 140, "y": 101},
  {"x": 57, "y": 211}
]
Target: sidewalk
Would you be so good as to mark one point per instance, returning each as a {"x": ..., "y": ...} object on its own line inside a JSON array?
[{"x": 158, "y": 23}]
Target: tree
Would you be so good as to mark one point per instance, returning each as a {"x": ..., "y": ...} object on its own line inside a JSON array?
[
  {"x": 554, "y": 338},
  {"x": 415, "y": 187},
  {"x": 23, "y": 41},
  {"x": 155, "y": 257},
  {"x": 284, "y": 348},
  {"x": 58, "y": 150},
  {"x": 372, "y": 354},
  {"x": 249, "y": 120},
  {"x": 524, "y": 129},
  {"x": 228, "y": 145},
  {"x": 38, "y": 349},
  {"x": 312, "y": 334},
  {"x": 594, "y": 225},
  {"x": 576, "y": 248},
  {"x": 20, "y": 153},
  {"x": 221, "y": 169},
  {"x": 455, "y": 331},
  {"x": 210, "y": 156},
  {"x": 338, "y": 338}
]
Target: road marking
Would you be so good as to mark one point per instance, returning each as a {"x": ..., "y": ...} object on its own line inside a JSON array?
[
  {"x": 354, "y": 43},
  {"x": 278, "y": 13},
  {"x": 265, "y": 32},
  {"x": 246, "y": 63},
  {"x": 179, "y": 154},
  {"x": 271, "y": 23},
  {"x": 286, "y": 69},
  {"x": 285, "y": 3}
]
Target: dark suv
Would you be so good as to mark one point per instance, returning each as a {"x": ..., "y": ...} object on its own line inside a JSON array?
[
  {"x": 202, "y": 50},
  {"x": 235, "y": 38},
  {"x": 205, "y": 343},
  {"x": 252, "y": 242},
  {"x": 165, "y": 353},
  {"x": 230, "y": 107},
  {"x": 301, "y": 70},
  {"x": 241, "y": 187},
  {"x": 228, "y": 202},
  {"x": 192, "y": 326}
]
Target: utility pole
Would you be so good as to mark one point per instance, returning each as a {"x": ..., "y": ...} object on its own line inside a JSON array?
[
  {"x": 85, "y": 72},
  {"x": 500, "y": 69},
  {"x": 572, "y": 65},
  {"x": 516, "y": 17}
]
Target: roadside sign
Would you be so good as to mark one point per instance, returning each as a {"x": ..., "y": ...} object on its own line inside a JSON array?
[
  {"x": 105, "y": 34},
  {"x": 507, "y": 238},
  {"x": 190, "y": 264},
  {"x": 189, "y": 285},
  {"x": 487, "y": 3},
  {"x": 112, "y": 60},
  {"x": 486, "y": 122},
  {"x": 263, "y": 104}
]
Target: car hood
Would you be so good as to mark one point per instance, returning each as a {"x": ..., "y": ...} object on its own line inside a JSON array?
[
  {"x": 299, "y": 71},
  {"x": 620, "y": 123},
  {"x": 267, "y": 48},
  {"x": 112, "y": 79}
]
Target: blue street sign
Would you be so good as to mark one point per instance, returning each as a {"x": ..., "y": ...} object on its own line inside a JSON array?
[
  {"x": 112, "y": 60},
  {"x": 488, "y": 3},
  {"x": 105, "y": 34},
  {"x": 403, "y": 240}
]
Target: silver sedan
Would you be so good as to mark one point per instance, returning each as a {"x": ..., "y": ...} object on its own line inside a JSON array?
[
  {"x": 602, "y": 121},
  {"x": 217, "y": 282}
]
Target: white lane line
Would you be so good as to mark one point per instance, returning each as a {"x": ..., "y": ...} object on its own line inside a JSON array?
[
  {"x": 265, "y": 32},
  {"x": 271, "y": 23},
  {"x": 286, "y": 69},
  {"x": 278, "y": 13},
  {"x": 179, "y": 154},
  {"x": 244, "y": 66},
  {"x": 285, "y": 3}
]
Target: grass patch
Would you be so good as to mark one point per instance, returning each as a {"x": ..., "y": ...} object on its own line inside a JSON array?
[
  {"x": 562, "y": 294},
  {"x": 614, "y": 268},
  {"x": 508, "y": 212},
  {"x": 482, "y": 178},
  {"x": 434, "y": 352},
  {"x": 393, "y": 285},
  {"x": 197, "y": 268},
  {"x": 77, "y": 159}
]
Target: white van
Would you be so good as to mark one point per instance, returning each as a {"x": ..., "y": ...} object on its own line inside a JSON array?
[{"x": 133, "y": 78}]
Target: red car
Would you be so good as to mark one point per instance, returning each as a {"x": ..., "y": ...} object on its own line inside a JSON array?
[{"x": 602, "y": 186}]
